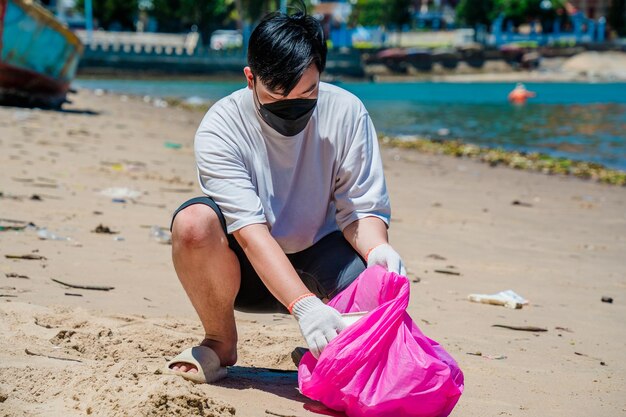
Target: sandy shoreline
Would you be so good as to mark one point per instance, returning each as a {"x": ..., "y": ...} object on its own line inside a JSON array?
[{"x": 563, "y": 249}]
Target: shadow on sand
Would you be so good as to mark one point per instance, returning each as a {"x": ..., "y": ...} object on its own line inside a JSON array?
[
  {"x": 18, "y": 106},
  {"x": 275, "y": 381}
]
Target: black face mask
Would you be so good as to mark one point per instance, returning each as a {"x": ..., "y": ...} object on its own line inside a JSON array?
[{"x": 287, "y": 117}]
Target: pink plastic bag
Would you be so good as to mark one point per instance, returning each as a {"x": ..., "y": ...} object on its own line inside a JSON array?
[{"x": 383, "y": 365}]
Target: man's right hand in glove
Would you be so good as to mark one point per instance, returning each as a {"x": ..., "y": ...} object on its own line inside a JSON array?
[{"x": 318, "y": 322}]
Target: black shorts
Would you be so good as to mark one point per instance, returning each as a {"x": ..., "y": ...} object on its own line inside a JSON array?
[{"x": 326, "y": 268}]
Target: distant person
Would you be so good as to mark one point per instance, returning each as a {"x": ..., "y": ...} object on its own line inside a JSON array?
[
  {"x": 295, "y": 203},
  {"x": 519, "y": 95}
]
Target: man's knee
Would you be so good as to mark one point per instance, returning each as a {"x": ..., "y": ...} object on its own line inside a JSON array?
[{"x": 197, "y": 226}]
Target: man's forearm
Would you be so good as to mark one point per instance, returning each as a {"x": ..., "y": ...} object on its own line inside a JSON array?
[
  {"x": 270, "y": 262},
  {"x": 365, "y": 234}
]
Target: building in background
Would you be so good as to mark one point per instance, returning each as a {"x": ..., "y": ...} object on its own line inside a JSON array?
[{"x": 594, "y": 9}]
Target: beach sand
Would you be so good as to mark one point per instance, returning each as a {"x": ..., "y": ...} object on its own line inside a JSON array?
[{"x": 562, "y": 246}]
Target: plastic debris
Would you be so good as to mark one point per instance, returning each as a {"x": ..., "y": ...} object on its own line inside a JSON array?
[
  {"x": 120, "y": 192},
  {"x": 172, "y": 145},
  {"x": 160, "y": 103},
  {"x": 161, "y": 235},
  {"x": 495, "y": 357},
  {"x": 45, "y": 234},
  {"x": 508, "y": 298},
  {"x": 195, "y": 101}
]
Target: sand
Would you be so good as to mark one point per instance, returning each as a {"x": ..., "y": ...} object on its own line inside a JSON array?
[{"x": 102, "y": 352}]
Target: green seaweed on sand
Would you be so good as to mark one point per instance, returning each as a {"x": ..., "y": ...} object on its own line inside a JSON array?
[
  {"x": 529, "y": 161},
  {"x": 185, "y": 105}
]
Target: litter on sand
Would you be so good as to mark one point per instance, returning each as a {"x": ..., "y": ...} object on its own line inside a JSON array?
[
  {"x": 104, "y": 230},
  {"x": 494, "y": 357},
  {"x": 172, "y": 145},
  {"x": 45, "y": 234},
  {"x": 85, "y": 287},
  {"x": 508, "y": 298},
  {"x": 447, "y": 272},
  {"x": 120, "y": 193},
  {"x": 15, "y": 275},
  {"x": 521, "y": 328},
  {"x": 161, "y": 235},
  {"x": 28, "y": 256}
]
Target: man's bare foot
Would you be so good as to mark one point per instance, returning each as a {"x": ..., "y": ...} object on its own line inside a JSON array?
[{"x": 228, "y": 356}]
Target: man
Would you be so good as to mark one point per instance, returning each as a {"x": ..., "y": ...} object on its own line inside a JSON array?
[{"x": 296, "y": 199}]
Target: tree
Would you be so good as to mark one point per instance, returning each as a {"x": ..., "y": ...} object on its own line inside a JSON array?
[
  {"x": 253, "y": 10},
  {"x": 398, "y": 13},
  {"x": 368, "y": 13},
  {"x": 207, "y": 15},
  {"x": 167, "y": 15},
  {"x": 521, "y": 11},
  {"x": 475, "y": 12},
  {"x": 617, "y": 16},
  {"x": 181, "y": 15},
  {"x": 381, "y": 13},
  {"x": 113, "y": 14}
]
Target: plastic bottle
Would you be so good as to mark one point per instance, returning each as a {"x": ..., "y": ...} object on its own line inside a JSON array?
[
  {"x": 161, "y": 235},
  {"x": 45, "y": 234}
]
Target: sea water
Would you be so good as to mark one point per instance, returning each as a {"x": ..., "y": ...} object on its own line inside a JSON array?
[{"x": 583, "y": 121}]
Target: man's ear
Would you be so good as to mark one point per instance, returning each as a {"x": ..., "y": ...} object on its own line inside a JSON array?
[{"x": 249, "y": 77}]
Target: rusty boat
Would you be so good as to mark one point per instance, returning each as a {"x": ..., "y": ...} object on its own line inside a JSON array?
[{"x": 38, "y": 56}]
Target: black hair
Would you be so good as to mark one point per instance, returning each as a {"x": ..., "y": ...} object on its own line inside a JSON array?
[{"x": 283, "y": 46}]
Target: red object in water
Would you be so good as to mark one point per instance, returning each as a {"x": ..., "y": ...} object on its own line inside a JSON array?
[{"x": 520, "y": 95}]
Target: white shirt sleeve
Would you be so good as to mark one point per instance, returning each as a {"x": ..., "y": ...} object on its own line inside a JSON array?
[
  {"x": 360, "y": 189},
  {"x": 223, "y": 177}
]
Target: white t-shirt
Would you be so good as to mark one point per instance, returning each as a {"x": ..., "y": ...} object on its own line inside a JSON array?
[{"x": 304, "y": 186}]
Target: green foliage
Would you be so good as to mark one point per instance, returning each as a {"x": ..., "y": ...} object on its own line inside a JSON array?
[
  {"x": 474, "y": 12},
  {"x": 381, "y": 13},
  {"x": 180, "y": 15},
  {"x": 617, "y": 16},
  {"x": 368, "y": 13},
  {"x": 398, "y": 12},
  {"x": 110, "y": 13},
  {"x": 253, "y": 10},
  {"x": 520, "y": 11}
]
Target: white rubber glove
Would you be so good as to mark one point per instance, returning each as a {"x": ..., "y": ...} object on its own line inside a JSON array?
[
  {"x": 385, "y": 256},
  {"x": 318, "y": 322}
]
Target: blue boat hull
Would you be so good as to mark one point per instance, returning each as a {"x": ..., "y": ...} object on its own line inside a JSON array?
[{"x": 38, "y": 56}]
